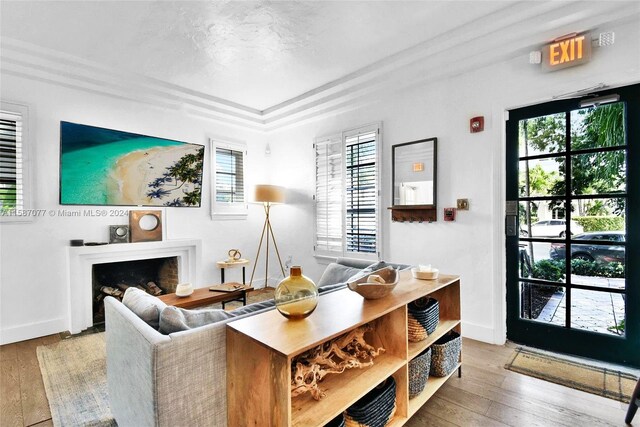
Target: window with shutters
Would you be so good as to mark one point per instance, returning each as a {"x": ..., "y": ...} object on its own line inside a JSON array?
[
  {"x": 14, "y": 182},
  {"x": 228, "y": 198},
  {"x": 347, "y": 194}
]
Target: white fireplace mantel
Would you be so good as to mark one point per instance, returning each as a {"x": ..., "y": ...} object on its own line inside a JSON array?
[{"x": 82, "y": 258}]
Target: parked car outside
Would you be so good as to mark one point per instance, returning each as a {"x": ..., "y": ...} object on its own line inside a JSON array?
[
  {"x": 590, "y": 252},
  {"x": 551, "y": 228}
]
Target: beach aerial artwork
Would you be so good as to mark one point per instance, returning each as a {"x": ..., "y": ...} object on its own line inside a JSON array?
[{"x": 108, "y": 167}]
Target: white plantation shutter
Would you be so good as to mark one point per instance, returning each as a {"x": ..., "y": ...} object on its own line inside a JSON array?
[
  {"x": 228, "y": 198},
  {"x": 347, "y": 201},
  {"x": 361, "y": 198},
  {"x": 229, "y": 175},
  {"x": 329, "y": 195},
  {"x": 11, "y": 161}
]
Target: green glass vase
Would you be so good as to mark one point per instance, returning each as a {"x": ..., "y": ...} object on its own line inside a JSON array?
[{"x": 296, "y": 296}]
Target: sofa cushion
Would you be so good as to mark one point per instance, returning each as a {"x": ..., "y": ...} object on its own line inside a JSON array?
[
  {"x": 376, "y": 266},
  {"x": 330, "y": 288},
  {"x": 145, "y": 306},
  {"x": 252, "y": 308},
  {"x": 175, "y": 319},
  {"x": 336, "y": 273},
  {"x": 366, "y": 271},
  {"x": 356, "y": 263}
]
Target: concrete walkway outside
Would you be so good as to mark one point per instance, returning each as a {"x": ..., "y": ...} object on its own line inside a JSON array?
[{"x": 590, "y": 310}]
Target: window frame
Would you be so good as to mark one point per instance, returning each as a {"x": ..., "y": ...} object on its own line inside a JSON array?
[
  {"x": 344, "y": 253},
  {"x": 26, "y": 214},
  {"x": 225, "y": 210}
]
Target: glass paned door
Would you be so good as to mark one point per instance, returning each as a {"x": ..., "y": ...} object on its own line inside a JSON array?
[{"x": 572, "y": 171}]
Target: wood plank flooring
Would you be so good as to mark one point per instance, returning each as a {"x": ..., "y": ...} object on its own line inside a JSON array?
[
  {"x": 23, "y": 401},
  {"x": 486, "y": 395}
]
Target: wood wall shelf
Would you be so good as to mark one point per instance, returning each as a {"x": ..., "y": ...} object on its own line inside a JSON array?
[
  {"x": 414, "y": 213},
  {"x": 260, "y": 349}
]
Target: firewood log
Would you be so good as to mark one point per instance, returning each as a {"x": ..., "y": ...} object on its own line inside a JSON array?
[
  {"x": 154, "y": 289},
  {"x": 108, "y": 290}
]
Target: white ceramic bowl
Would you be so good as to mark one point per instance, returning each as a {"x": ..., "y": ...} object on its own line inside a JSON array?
[
  {"x": 425, "y": 275},
  {"x": 377, "y": 290},
  {"x": 184, "y": 289}
]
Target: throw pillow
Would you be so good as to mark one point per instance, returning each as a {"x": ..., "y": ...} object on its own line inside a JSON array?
[
  {"x": 174, "y": 319},
  {"x": 336, "y": 273},
  {"x": 145, "y": 306}
]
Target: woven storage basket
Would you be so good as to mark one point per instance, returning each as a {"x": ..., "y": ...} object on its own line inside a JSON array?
[
  {"x": 419, "y": 373},
  {"x": 336, "y": 422},
  {"x": 424, "y": 316},
  {"x": 375, "y": 409},
  {"x": 446, "y": 354}
]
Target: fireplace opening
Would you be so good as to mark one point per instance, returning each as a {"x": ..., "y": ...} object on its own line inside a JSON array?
[{"x": 155, "y": 276}]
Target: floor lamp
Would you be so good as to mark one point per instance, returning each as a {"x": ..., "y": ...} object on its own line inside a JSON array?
[{"x": 267, "y": 195}]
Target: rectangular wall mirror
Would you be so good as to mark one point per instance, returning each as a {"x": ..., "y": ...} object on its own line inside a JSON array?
[{"x": 414, "y": 180}]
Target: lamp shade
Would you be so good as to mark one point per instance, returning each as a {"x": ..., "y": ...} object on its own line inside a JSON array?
[{"x": 269, "y": 193}]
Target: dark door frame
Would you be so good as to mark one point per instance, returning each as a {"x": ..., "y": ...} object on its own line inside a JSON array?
[{"x": 558, "y": 338}]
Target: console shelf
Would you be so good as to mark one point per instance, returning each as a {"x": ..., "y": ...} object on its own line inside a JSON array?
[{"x": 260, "y": 349}]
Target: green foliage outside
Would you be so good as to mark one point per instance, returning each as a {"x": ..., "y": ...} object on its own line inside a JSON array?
[
  {"x": 548, "y": 269},
  {"x": 611, "y": 270},
  {"x": 540, "y": 181},
  {"x": 554, "y": 270},
  {"x": 7, "y": 197},
  {"x": 601, "y": 223},
  {"x": 619, "y": 328},
  {"x": 591, "y": 173}
]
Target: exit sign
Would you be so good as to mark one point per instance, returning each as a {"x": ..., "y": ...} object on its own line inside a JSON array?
[{"x": 567, "y": 51}]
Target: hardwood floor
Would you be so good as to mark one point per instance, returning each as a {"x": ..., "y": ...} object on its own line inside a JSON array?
[
  {"x": 489, "y": 395},
  {"x": 486, "y": 395},
  {"x": 23, "y": 401}
]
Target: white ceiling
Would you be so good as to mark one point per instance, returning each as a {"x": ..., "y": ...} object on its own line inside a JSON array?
[
  {"x": 257, "y": 53},
  {"x": 269, "y": 64}
]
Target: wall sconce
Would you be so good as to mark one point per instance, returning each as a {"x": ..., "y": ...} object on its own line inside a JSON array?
[
  {"x": 418, "y": 167},
  {"x": 267, "y": 150}
]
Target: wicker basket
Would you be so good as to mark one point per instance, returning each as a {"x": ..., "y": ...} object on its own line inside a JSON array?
[
  {"x": 446, "y": 354},
  {"x": 336, "y": 422},
  {"x": 375, "y": 409},
  {"x": 419, "y": 373},
  {"x": 424, "y": 315}
]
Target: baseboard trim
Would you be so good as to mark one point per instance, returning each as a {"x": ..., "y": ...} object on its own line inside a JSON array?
[
  {"x": 32, "y": 330},
  {"x": 478, "y": 332}
]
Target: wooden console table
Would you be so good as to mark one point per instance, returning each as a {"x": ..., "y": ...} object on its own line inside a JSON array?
[
  {"x": 203, "y": 296},
  {"x": 260, "y": 349}
]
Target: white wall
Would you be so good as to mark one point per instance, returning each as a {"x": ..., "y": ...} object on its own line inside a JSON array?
[
  {"x": 33, "y": 294},
  {"x": 469, "y": 166}
]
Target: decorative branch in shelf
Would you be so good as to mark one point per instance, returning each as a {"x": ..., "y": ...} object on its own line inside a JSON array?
[{"x": 333, "y": 357}]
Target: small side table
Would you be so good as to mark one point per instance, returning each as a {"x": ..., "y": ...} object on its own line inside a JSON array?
[{"x": 231, "y": 264}]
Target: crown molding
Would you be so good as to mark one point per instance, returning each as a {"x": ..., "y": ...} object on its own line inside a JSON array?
[{"x": 498, "y": 36}]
